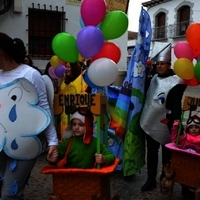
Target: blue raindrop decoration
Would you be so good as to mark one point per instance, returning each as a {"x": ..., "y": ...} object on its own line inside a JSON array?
[
  {"x": 13, "y": 165},
  {"x": 12, "y": 114},
  {"x": 14, "y": 145},
  {"x": 14, "y": 188}
]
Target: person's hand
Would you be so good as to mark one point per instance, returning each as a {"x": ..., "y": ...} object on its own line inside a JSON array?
[
  {"x": 100, "y": 159},
  {"x": 176, "y": 123},
  {"x": 52, "y": 155}
]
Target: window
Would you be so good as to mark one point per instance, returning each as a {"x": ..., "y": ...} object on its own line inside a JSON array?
[
  {"x": 43, "y": 25},
  {"x": 160, "y": 29},
  {"x": 184, "y": 20}
]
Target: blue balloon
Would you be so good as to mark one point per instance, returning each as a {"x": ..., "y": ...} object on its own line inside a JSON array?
[
  {"x": 82, "y": 25},
  {"x": 89, "y": 82},
  {"x": 81, "y": 22}
]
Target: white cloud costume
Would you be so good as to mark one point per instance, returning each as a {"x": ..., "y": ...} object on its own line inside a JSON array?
[
  {"x": 154, "y": 108},
  {"x": 21, "y": 120}
]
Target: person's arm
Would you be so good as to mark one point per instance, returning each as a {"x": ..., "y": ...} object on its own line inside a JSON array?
[
  {"x": 174, "y": 131},
  {"x": 174, "y": 99},
  {"x": 173, "y": 103},
  {"x": 106, "y": 156},
  {"x": 62, "y": 147},
  {"x": 50, "y": 132}
]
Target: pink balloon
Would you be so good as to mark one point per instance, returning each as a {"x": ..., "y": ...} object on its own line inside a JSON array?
[
  {"x": 51, "y": 72},
  {"x": 93, "y": 11},
  {"x": 183, "y": 50}
]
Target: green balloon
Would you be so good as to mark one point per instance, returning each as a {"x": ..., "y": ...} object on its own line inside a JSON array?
[
  {"x": 114, "y": 25},
  {"x": 197, "y": 70},
  {"x": 64, "y": 46}
]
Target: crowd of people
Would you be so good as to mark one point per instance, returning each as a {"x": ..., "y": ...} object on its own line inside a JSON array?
[
  {"x": 15, "y": 171},
  {"x": 160, "y": 119}
]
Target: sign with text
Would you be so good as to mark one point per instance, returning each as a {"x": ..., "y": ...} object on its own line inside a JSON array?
[
  {"x": 76, "y": 100},
  {"x": 191, "y": 103},
  {"x": 96, "y": 102}
]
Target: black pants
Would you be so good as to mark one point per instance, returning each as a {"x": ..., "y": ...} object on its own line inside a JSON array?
[{"x": 152, "y": 156}]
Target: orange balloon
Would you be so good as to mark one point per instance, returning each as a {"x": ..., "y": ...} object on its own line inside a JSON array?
[{"x": 193, "y": 38}]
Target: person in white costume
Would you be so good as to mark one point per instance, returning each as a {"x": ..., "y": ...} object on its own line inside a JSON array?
[
  {"x": 153, "y": 118},
  {"x": 15, "y": 171}
]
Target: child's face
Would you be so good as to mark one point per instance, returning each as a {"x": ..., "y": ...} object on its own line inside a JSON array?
[
  {"x": 78, "y": 127},
  {"x": 194, "y": 130}
]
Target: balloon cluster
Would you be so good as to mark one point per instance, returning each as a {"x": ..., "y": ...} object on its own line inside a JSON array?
[
  {"x": 57, "y": 69},
  {"x": 186, "y": 52},
  {"x": 97, "y": 27}
]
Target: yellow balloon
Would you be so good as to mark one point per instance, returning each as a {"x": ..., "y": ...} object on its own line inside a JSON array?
[
  {"x": 55, "y": 61},
  {"x": 80, "y": 58},
  {"x": 184, "y": 68}
]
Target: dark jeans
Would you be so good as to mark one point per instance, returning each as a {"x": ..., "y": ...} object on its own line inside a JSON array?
[{"x": 152, "y": 156}]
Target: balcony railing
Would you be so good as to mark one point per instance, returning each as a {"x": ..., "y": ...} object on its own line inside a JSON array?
[
  {"x": 160, "y": 33},
  {"x": 179, "y": 29}
]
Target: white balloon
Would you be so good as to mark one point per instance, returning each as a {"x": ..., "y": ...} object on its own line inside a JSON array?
[{"x": 103, "y": 71}]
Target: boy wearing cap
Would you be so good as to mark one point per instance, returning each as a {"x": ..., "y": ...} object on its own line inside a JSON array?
[
  {"x": 78, "y": 149},
  {"x": 190, "y": 139}
]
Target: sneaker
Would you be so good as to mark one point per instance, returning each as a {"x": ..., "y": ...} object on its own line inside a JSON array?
[{"x": 149, "y": 185}]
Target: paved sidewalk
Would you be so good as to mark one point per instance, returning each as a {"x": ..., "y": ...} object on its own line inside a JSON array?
[{"x": 40, "y": 186}]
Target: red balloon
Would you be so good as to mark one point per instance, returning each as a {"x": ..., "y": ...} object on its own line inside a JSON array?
[
  {"x": 149, "y": 63},
  {"x": 192, "y": 82},
  {"x": 109, "y": 50}
]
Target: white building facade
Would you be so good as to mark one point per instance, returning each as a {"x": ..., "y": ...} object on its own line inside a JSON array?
[
  {"x": 36, "y": 22},
  {"x": 170, "y": 19}
]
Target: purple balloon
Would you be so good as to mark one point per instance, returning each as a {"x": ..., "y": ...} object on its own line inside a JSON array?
[
  {"x": 90, "y": 40},
  {"x": 60, "y": 71}
]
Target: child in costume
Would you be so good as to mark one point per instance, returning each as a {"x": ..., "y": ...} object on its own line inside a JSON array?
[
  {"x": 190, "y": 139},
  {"x": 78, "y": 149}
]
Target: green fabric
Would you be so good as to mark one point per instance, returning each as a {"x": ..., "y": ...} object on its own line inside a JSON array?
[
  {"x": 81, "y": 155},
  {"x": 134, "y": 148}
]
